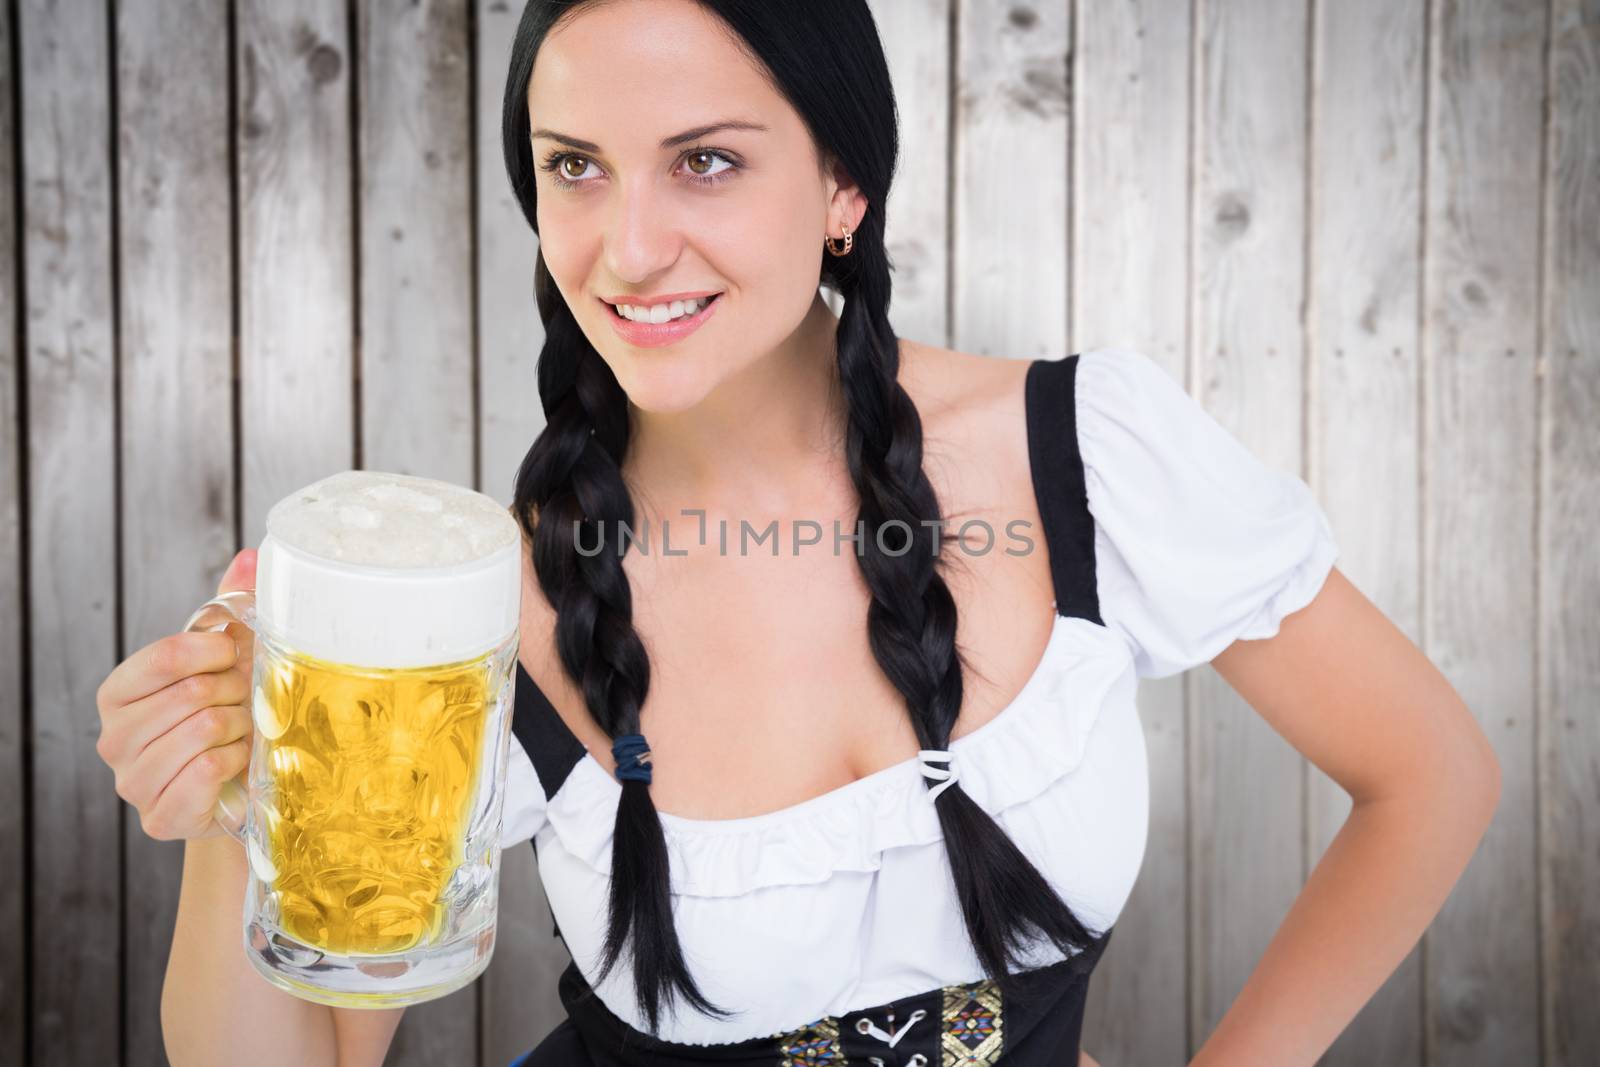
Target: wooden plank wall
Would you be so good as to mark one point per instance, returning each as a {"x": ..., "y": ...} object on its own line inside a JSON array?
[{"x": 245, "y": 243}]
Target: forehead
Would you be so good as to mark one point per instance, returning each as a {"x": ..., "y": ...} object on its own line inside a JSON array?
[{"x": 647, "y": 66}]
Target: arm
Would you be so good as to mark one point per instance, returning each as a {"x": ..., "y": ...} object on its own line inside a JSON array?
[
  {"x": 212, "y": 994},
  {"x": 1348, "y": 689}
]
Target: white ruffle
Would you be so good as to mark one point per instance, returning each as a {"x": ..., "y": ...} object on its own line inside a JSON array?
[
  {"x": 1037, "y": 739},
  {"x": 1198, "y": 543}
]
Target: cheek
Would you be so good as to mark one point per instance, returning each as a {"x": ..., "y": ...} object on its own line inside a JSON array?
[
  {"x": 769, "y": 249},
  {"x": 561, "y": 243}
]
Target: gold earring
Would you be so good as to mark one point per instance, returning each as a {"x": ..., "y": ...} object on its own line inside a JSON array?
[{"x": 848, "y": 241}]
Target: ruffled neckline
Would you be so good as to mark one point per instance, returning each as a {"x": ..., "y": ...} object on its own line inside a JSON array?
[{"x": 1036, "y": 739}]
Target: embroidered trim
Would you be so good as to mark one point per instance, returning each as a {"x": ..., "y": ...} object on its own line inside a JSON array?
[
  {"x": 974, "y": 1028},
  {"x": 814, "y": 1043}
]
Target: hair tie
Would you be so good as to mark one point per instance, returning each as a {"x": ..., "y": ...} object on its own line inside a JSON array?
[
  {"x": 633, "y": 758},
  {"x": 946, "y": 777}
]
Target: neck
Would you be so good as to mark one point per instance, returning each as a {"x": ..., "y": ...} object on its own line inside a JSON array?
[{"x": 767, "y": 442}]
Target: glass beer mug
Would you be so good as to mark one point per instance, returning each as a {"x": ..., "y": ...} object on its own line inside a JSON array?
[{"x": 385, "y": 619}]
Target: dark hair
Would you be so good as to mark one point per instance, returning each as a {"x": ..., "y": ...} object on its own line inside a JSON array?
[{"x": 825, "y": 57}]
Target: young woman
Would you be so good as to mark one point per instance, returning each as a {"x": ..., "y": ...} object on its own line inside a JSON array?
[{"x": 832, "y": 755}]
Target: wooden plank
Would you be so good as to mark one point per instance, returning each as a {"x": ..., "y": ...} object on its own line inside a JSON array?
[
  {"x": 175, "y": 320},
  {"x": 71, "y": 484},
  {"x": 296, "y": 250},
  {"x": 1130, "y": 208},
  {"x": 415, "y": 94},
  {"x": 416, "y": 361},
  {"x": 510, "y": 334},
  {"x": 1246, "y": 817},
  {"x": 13, "y": 722},
  {"x": 1010, "y": 164},
  {"x": 1480, "y": 443},
  {"x": 518, "y": 991},
  {"x": 1366, "y": 186},
  {"x": 1569, "y": 573},
  {"x": 916, "y": 42}
]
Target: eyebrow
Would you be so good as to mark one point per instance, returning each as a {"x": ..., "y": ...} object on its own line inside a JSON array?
[{"x": 666, "y": 142}]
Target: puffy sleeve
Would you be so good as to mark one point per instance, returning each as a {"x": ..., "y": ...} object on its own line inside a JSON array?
[
  {"x": 1197, "y": 542},
  {"x": 524, "y": 811}
]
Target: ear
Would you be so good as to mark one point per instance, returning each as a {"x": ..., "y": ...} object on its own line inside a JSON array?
[{"x": 846, "y": 202}]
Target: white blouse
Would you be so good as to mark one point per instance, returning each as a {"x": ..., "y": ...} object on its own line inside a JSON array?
[{"x": 845, "y": 899}]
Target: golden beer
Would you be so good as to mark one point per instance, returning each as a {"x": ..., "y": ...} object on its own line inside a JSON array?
[
  {"x": 385, "y": 619},
  {"x": 370, "y": 779}
]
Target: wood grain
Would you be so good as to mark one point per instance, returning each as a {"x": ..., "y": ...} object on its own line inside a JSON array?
[
  {"x": 1363, "y": 235},
  {"x": 1569, "y": 572},
  {"x": 1365, "y": 181},
  {"x": 66, "y": 177},
  {"x": 1480, "y": 455},
  {"x": 175, "y": 324},
  {"x": 1130, "y": 284}
]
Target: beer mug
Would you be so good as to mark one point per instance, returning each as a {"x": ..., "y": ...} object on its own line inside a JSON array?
[{"x": 385, "y": 619}]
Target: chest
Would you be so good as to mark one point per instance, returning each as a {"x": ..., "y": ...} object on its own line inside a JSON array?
[{"x": 764, "y": 689}]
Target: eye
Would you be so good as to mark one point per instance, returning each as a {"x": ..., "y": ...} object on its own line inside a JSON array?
[
  {"x": 708, "y": 177},
  {"x": 556, "y": 165}
]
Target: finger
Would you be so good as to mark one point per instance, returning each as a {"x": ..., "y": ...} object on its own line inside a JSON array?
[
  {"x": 159, "y": 713},
  {"x": 128, "y": 730},
  {"x": 159, "y": 764},
  {"x": 241, "y": 572},
  {"x": 163, "y": 662},
  {"x": 183, "y": 809}
]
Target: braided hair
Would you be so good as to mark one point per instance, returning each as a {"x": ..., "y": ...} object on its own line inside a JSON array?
[{"x": 826, "y": 59}]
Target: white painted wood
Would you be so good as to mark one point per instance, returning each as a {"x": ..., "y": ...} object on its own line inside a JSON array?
[
  {"x": 1365, "y": 173},
  {"x": 916, "y": 38},
  {"x": 1480, "y": 445},
  {"x": 296, "y": 254},
  {"x": 1569, "y": 573},
  {"x": 1130, "y": 273},
  {"x": 510, "y": 334},
  {"x": 71, "y": 453},
  {"x": 1009, "y": 261},
  {"x": 13, "y": 723},
  {"x": 1248, "y": 284},
  {"x": 175, "y": 394}
]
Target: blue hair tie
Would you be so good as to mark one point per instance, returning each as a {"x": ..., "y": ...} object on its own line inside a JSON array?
[{"x": 633, "y": 758}]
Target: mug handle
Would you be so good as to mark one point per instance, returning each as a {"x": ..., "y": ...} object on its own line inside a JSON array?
[{"x": 239, "y": 606}]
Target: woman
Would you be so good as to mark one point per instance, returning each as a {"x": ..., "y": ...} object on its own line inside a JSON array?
[
  {"x": 873, "y": 788},
  {"x": 705, "y": 742}
]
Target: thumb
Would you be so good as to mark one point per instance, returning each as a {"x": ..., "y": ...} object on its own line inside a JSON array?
[{"x": 241, "y": 573}]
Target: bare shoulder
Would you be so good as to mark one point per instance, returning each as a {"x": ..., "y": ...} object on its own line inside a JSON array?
[{"x": 974, "y": 421}]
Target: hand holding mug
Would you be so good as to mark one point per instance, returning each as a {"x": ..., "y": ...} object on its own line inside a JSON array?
[{"x": 175, "y": 723}]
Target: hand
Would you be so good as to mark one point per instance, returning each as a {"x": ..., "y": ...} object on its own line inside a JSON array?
[
  {"x": 1086, "y": 1060},
  {"x": 175, "y": 723}
]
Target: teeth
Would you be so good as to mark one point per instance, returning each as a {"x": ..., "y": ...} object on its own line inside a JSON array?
[{"x": 677, "y": 309}]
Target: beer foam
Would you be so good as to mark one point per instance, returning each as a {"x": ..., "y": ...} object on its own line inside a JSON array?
[
  {"x": 377, "y": 519},
  {"x": 375, "y": 569}
]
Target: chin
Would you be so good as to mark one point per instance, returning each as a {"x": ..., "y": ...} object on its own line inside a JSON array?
[{"x": 660, "y": 380}]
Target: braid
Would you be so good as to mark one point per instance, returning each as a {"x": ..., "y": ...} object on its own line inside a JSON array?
[
  {"x": 572, "y": 480},
  {"x": 572, "y": 477},
  {"x": 912, "y": 618}
]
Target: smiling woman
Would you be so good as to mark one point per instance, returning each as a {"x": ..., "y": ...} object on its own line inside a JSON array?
[
  {"x": 680, "y": 213},
  {"x": 775, "y": 821}
]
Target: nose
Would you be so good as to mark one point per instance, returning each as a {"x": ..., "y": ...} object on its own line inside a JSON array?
[{"x": 643, "y": 233}]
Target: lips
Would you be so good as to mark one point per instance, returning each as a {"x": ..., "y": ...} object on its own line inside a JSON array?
[
  {"x": 660, "y": 334},
  {"x": 647, "y": 335}
]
